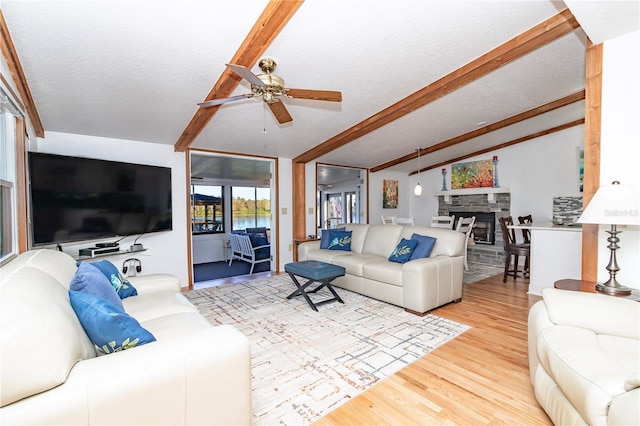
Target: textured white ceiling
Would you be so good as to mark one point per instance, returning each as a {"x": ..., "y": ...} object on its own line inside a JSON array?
[{"x": 136, "y": 70}]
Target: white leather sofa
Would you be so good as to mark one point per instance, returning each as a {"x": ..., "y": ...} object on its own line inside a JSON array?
[
  {"x": 194, "y": 373},
  {"x": 584, "y": 357},
  {"x": 419, "y": 285}
]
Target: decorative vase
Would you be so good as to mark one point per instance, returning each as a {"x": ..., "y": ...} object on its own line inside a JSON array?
[{"x": 444, "y": 181}]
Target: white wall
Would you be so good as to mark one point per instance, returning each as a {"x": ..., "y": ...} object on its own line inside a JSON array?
[
  {"x": 620, "y": 139},
  {"x": 284, "y": 233},
  {"x": 405, "y": 193},
  {"x": 546, "y": 167},
  {"x": 536, "y": 171},
  {"x": 166, "y": 251}
]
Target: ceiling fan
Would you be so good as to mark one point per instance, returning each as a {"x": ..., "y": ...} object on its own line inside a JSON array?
[{"x": 269, "y": 86}]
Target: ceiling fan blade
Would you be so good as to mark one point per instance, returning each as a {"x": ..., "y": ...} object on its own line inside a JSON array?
[
  {"x": 317, "y": 95},
  {"x": 246, "y": 74},
  {"x": 220, "y": 101},
  {"x": 280, "y": 112}
]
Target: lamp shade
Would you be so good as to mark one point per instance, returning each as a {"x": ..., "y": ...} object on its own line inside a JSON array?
[
  {"x": 615, "y": 204},
  {"x": 418, "y": 189}
]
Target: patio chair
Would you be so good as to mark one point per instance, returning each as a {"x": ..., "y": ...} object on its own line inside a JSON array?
[{"x": 241, "y": 249}]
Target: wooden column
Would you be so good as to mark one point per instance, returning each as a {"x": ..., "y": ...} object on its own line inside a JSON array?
[
  {"x": 298, "y": 202},
  {"x": 592, "y": 126},
  {"x": 21, "y": 186}
]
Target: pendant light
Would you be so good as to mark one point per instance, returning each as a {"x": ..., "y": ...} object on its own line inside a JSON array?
[{"x": 418, "y": 189}]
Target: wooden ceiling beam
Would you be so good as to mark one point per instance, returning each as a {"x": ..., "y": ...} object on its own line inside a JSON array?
[
  {"x": 503, "y": 145},
  {"x": 532, "y": 39},
  {"x": 542, "y": 109},
  {"x": 274, "y": 17},
  {"x": 17, "y": 73}
]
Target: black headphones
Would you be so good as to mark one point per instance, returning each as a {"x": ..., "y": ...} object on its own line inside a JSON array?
[{"x": 131, "y": 262}]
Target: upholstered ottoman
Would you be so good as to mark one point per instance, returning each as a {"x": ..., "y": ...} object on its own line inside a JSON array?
[{"x": 315, "y": 272}]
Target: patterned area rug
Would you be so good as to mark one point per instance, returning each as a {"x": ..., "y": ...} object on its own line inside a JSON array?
[{"x": 307, "y": 363}]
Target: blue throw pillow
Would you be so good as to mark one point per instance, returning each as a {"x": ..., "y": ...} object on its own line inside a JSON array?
[
  {"x": 127, "y": 290},
  {"x": 109, "y": 328},
  {"x": 123, "y": 287},
  {"x": 258, "y": 240},
  {"x": 339, "y": 240},
  {"x": 402, "y": 252},
  {"x": 424, "y": 247},
  {"x": 324, "y": 238},
  {"x": 89, "y": 279}
]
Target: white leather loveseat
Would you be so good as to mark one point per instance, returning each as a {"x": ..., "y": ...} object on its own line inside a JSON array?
[
  {"x": 193, "y": 373},
  {"x": 418, "y": 285},
  {"x": 584, "y": 357}
]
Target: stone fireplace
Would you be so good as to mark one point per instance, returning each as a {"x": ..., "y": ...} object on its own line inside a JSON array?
[{"x": 488, "y": 205}]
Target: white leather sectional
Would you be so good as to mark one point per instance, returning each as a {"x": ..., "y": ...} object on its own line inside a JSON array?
[
  {"x": 194, "y": 373},
  {"x": 584, "y": 357},
  {"x": 419, "y": 285}
]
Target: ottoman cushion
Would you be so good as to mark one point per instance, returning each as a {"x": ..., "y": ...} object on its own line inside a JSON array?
[{"x": 314, "y": 270}]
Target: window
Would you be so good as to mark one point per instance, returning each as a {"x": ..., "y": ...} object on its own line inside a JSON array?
[
  {"x": 334, "y": 210},
  {"x": 351, "y": 208},
  {"x": 8, "y": 227},
  {"x": 250, "y": 207},
  {"x": 207, "y": 209}
]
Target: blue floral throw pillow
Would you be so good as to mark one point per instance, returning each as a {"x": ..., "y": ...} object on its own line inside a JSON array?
[
  {"x": 324, "y": 238},
  {"x": 424, "y": 247},
  {"x": 109, "y": 327},
  {"x": 402, "y": 252},
  {"x": 339, "y": 240},
  {"x": 89, "y": 279},
  {"x": 123, "y": 287}
]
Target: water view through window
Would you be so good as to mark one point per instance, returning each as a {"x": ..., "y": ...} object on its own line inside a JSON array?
[
  {"x": 250, "y": 222},
  {"x": 250, "y": 207}
]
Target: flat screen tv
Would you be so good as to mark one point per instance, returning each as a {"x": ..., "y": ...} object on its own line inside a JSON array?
[{"x": 76, "y": 199}]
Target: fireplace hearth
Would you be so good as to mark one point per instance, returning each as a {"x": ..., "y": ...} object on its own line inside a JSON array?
[{"x": 484, "y": 228}]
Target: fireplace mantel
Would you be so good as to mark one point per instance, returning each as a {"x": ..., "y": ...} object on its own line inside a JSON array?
[{"x": 490, "y": 192}]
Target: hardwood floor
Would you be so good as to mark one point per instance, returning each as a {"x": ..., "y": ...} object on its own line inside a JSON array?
[{"x": 481, "y": 377}]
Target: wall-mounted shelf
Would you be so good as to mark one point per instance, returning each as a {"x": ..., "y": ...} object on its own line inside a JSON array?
[
  {"x": 113, "y": 253},
  {"x": 490, "y": 192}
]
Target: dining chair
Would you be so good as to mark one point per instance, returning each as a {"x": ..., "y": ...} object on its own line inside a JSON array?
[
  {"x": 465, "y": 225},
  {"x": 404, "y": 221},
  {"x": 445, "y": 222},
  {"x": 388, "y": 220},
  {"x": 513, "y": 250},
  {"x": 526, "y": 233}
]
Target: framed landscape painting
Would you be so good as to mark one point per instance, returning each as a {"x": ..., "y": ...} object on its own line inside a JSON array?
[
  {"x": 389, "y": 194},
  {"x": 472, "y": 174}
]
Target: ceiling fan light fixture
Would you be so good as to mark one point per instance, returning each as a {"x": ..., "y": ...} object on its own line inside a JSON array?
[{"x": 270, "y": 87}]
